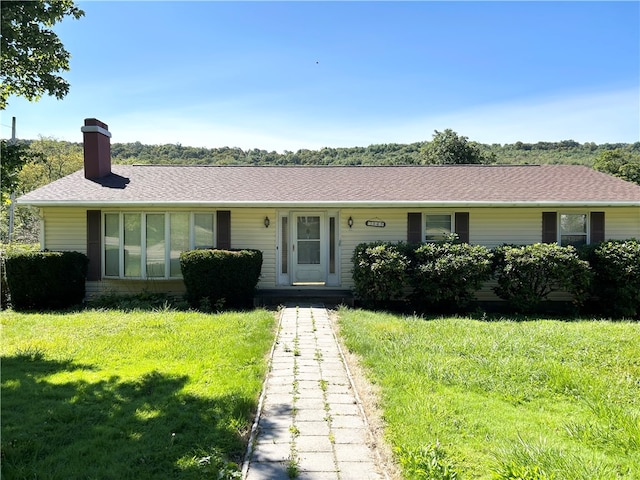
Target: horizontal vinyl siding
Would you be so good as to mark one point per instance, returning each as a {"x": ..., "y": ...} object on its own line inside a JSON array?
[
  {"x": 621, "y": 223},
  {"x": 492, "y": 227},
  {"x": 248, "y": 231},
  {"x": 65, "y": 229}
]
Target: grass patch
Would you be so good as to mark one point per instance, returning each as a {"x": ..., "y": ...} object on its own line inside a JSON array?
[
  {"x": 113, "y": 394},
  {"x": 540, "y": 399}
]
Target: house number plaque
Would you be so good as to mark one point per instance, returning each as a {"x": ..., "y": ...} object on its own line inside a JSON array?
[{"x": 375, "y": 223}]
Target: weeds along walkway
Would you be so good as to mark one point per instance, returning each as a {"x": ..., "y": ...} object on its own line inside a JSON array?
[{"x": 310, "y": 423}]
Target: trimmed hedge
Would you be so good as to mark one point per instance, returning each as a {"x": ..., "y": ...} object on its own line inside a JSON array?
[
  {"x": 379, "y": 272},
  {"x": 616, "y": 283},
  {"x": 217, "y": 279},
  {"x": 4, "y": 288},
  {"x": 46, "y": 280},
  {"x": 437, "y": 276},
  {"x": 528, "y": 274},
  {"x": 445, "y": 276}
]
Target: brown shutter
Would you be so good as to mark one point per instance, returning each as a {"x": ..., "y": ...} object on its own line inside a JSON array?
[
  {"x": 462, "y": 226},
  {"x": 93, "y": 244},
  {"x": 223, "y": 229},
  {"x": 597, "y": 227},
  {"x": 414, "y": 228},
  {"x": 549, "y": 227}
]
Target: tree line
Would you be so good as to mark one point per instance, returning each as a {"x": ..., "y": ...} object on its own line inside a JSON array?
[{"x": 562, "y": 152}]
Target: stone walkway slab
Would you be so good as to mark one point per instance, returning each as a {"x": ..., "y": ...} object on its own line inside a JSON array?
[{"x": 310, "y": 423}]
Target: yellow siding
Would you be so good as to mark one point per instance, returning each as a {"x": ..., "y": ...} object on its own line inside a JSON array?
[
  {"x": 65, "y": 229},
  {"x": 495, "y": 226},
  {"x": 248, "y": 231},
  {"x": 621, "y": 224}
]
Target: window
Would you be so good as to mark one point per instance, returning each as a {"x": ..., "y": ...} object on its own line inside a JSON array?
[
  {"x": 438, "y": 227},
  {"x": 148, "y": 245},
  {"x": 573, "y": 229}
]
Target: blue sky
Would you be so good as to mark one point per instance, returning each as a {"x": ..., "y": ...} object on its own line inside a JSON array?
[{"x": 291, "y": 75}]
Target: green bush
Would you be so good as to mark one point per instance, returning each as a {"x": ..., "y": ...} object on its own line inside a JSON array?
[
  {"x": 616, "y": 282},
  {"x": 46, "y": 280},
  {"x": 6, "y": 249},
  {"x": 217, "y": 279},
  {"x": 379, "y": 273},
  {"x": 527, "y": 274},
  {"x": 446, "y": 275}
]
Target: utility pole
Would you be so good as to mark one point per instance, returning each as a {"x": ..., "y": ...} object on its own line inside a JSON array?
[{"x": 12, "y": 197}]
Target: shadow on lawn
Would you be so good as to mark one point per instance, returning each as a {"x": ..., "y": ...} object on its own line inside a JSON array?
[{"x": 147, "y": 428}]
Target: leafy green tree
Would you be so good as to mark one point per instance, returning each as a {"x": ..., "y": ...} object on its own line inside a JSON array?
[
  {"x": 449, "y": 148},
  {"x": 31, "y": 54},
  {"x": 620, "y": 163},
  {"x": 51, "y": 159},
  {"x": 13, "y": 156}
]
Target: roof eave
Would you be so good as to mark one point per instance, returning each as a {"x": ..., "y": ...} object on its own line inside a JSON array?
[{"x": 329, "y": 204}]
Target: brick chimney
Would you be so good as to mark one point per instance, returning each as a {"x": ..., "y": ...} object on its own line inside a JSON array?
[{"x": 97, "y": 149}]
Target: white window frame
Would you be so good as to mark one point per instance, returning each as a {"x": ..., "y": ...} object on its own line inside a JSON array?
[
  {"x": 586, "y": 233},
  {"x": 143, "y": 241}
]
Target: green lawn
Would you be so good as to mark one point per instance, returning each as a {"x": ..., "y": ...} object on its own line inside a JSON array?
[
  {"x": 539, "y": 399},
  {"x": 140, "y": 395}
]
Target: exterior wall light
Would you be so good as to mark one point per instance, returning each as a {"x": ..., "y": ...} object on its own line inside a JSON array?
[
  {"x": 267, "y": 222},
  {"x": 350, "y": 222}
]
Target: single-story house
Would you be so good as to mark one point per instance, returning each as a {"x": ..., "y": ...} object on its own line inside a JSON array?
[{"x": 134, "y": 220}]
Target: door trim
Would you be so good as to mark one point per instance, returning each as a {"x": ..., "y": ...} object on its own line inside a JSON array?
[
  {"x": 309, "y": 273},
  {"x": 286, "y": 256}
]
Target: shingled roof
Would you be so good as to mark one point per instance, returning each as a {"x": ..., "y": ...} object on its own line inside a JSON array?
[{"x": 451, "y": 185}]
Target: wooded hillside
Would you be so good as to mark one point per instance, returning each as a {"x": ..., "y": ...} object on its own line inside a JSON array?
[{"x": 566, "y": 151}]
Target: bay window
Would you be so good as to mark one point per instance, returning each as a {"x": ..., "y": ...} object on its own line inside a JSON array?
[{"x": 148, "y": 245}]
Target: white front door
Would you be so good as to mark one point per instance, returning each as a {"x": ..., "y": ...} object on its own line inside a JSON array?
[{"x": 308, "y": 253}]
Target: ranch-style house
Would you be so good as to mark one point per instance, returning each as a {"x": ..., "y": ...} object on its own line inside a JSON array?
[{"x": 134, "y": 220}]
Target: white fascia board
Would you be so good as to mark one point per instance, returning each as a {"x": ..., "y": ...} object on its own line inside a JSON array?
[{"x": 328, "y": 204}]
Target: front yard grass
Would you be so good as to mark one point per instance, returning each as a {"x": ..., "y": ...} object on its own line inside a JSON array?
[
  {"x": 130, "y": 395},
  {"x": 538, "y": 399}
]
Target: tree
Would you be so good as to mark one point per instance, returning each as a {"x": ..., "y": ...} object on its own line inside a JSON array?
[
  {"x": 13, "y": 156},
  {"x": 620, "y": 163},
  {"x": 31, "y": 54},
  {"x": 449, "y": 148},
  {"x": 51, "y": 159}
]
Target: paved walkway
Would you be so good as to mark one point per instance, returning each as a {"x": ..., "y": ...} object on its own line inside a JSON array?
[{"x": 310, "y": 424}]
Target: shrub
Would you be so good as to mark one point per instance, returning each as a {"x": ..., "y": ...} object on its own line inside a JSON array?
[
  {"x": 6, "y": 249},
  {"x": 526, "y": 275},
  {"x": 616, "y": 283},
  {"x": 46, "y": 280},
  {"x": 446, "y": 275},
  {"x": 4, "y": 288},
  {"x": 221, "y": 278},
  {"x": 379, "y": 273}
]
